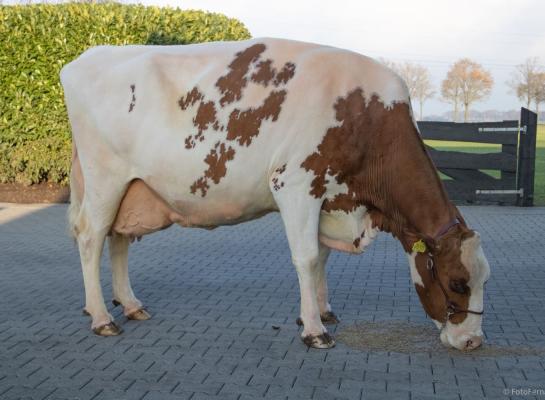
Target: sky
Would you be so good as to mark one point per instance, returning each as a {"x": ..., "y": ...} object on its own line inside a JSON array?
[
  {"x": 498, "y": 34},
  {"x": 434, "y": 33}
]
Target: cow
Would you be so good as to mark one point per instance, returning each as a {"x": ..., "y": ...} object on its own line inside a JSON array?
[{"x": 204, "y": 135}]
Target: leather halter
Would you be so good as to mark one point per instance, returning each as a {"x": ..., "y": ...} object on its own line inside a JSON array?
[{"x": 452, "y": 307}]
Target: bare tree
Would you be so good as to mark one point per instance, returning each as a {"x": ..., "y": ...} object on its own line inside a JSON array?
[
  {"x": 466, "y": 82},
  {"x": 539, "y": 90},
  {"x": 417, "y": 79},
  {"x": 423, "y": 87},
  {"x": 451, "y": 93},
  {"x": 525, "y": 80}
]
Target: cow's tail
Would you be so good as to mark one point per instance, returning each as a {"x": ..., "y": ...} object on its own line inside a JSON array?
[
  {"x": 73, "y": 213},
  {"x": 75, "y": 193}
]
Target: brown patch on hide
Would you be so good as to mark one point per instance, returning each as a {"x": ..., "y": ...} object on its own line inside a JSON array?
[
  {"x": 280, "y": 170},
  {"x": 265, "y": 73},
  {"x": 277, "y": 185},
  {"x": 190, "y": 98},
  {"x": 232, "y": 84},
  {"x": 206, "y": 115},
  {"x": 338, "y": 153},
  {"x": 285, "y": 74},
  {"x": 245, "y": 125},
  {"x": 189, "y": 142},
  {"x": 217, "y": 167},
  {"x": 217, "y": 126},
  {"x": 133, "y": 98},
  {"x": 378, "y": 154}
]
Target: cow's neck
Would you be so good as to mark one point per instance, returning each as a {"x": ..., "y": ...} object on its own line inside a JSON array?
[{"x": 415, "y": 204}]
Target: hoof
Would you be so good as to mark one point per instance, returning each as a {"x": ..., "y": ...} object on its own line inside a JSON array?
[
  {"x": 323, "y": 341},
  {"x": 110, "y": 329},
  {"x": 85, "y": 312},
  {"x": 139, "y": 315},
  {"x": 329, "y": 318}
]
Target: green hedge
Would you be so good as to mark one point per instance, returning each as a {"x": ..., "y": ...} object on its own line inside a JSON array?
[{"x": 37, "y": 40}]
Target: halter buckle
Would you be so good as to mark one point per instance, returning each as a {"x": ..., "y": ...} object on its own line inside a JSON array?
[{"x": 429, "y": 262}]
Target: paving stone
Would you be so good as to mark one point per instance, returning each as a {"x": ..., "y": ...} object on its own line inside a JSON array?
[{"x": 215, "y": 297}]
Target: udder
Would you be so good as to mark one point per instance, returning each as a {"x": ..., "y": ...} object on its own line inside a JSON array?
[{"x": 143, "y": 211}]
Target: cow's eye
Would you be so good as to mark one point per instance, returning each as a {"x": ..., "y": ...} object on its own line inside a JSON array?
[{"x": 458, "y": 287}]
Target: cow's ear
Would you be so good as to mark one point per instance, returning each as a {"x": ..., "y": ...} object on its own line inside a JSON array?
[
  {"x": 460, "y": 217},
  {"x": 418, "y": 242},
  {"x": 468, "y": 233},
  {"x": 471, "y": 237}
]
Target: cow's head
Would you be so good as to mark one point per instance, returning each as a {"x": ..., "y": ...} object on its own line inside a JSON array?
[{"x": 449, "y": 275}]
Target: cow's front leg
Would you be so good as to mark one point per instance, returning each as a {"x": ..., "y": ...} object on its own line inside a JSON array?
[
  {"x": 326, "y": 315},
  {"x": 314, "y": 333},
  {"x": 121, "y": 285},
  {"x": 300, "y": 214}
]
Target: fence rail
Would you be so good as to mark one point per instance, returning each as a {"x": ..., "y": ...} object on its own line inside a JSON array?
[{"x": 468, "y": 181}]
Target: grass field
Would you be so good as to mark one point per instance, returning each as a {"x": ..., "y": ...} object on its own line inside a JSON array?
[{"x": 539, "y": 184}]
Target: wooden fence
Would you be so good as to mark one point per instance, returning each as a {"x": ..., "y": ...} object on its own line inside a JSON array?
[{"x": 470, "y": 175}]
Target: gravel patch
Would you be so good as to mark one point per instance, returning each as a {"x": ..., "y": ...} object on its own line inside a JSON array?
[{"x": 403, "y": 337}]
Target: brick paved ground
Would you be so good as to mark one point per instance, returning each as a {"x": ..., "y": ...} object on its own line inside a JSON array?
[{"x": 215, "y": 296}]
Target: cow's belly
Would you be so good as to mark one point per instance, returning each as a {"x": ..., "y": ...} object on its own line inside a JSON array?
[
  {"x": 349, "y": 232},
  {"x": 143, "y": 211}
]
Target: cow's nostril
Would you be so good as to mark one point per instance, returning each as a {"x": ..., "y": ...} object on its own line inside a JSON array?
[{"x": 473, "y": 343}]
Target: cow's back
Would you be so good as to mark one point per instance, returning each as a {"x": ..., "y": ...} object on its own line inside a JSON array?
[{"x": 208, "y": 126}]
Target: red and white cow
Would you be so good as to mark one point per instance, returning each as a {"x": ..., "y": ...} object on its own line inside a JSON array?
[{"x": 220, "y": 133}]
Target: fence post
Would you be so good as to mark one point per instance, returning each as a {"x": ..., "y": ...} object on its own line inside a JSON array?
[{"x": 527, "y": 157}]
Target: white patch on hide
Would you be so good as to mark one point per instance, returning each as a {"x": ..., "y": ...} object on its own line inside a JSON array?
[
  {"x": 415, "y": 276},
  {"x": 473, "y": 258},
  {"x": 438, "y": 324}
]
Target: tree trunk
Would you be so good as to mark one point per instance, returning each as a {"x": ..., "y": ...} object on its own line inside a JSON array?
[
  {"x": 466, "y": 111},
  {"x": 421, "y": 105},
  {"x": 455, "y": 116}
]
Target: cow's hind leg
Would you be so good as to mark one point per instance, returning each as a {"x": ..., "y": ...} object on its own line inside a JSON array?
[
  {"x": 91, "y": 243},
  {"x": 300, "y": 214},
  {"x": 121, "y": 285},
  {"x": 90, "y": 221}
]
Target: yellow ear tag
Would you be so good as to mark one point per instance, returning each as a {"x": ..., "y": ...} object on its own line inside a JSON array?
[{"x": 419, "y": 247}]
